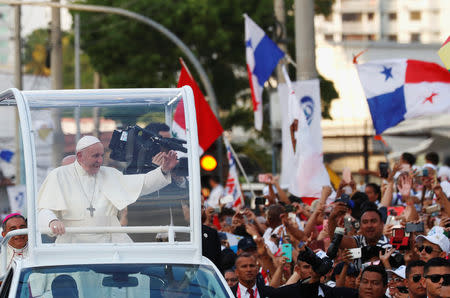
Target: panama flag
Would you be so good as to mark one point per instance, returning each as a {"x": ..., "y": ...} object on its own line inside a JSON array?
[
  {"x": 262, "y": 56},
  {"x": 444, "y": 53},
  {"x": 208, "y": 127},
  {"x": 232, "y": 187},
  {"x": 403, "y": 89}
]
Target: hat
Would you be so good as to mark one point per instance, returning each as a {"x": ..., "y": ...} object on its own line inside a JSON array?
[
  {"x": 11, "y": 215},
  {"x": 400, "y": 271},
  {"x": 246, "y": 243},
  {"x": 436, "y": 236},
  {"x": 86, "y": 141}
]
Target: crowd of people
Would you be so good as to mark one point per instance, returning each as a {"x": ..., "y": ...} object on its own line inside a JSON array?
[{"x": 375, "y": 240}]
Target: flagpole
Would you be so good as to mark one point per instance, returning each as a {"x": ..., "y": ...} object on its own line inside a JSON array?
[{"x": 227, "y": 143}]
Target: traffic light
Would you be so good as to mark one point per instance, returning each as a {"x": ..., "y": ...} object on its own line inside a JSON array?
[{"x": 208, "y": 162}]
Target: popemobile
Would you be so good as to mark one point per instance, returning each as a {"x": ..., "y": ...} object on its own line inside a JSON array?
[{"x": 110, "y": 185}]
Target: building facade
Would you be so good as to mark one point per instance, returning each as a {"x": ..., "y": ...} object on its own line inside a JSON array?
[{"x": 403, "y": 21}]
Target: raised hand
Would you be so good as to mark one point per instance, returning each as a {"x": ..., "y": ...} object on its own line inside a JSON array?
[{"x": 169, "y": 161}]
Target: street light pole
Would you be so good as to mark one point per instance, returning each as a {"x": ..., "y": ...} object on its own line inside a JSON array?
[
  {"x": 305, "y": 43},
  {"x": 143, "y": 19}
]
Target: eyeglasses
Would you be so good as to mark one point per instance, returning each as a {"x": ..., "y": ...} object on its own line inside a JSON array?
[
  {"x": 396, "y": 279},
  {"x": 428, "y": 249},
  {"x": 416, "y": 277},
  {"x": 435, "y": 278},
  {"x": 231, "y": 279}
]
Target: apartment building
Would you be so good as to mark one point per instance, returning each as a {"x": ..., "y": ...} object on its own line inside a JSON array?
[{"x": 402, "y": 21}]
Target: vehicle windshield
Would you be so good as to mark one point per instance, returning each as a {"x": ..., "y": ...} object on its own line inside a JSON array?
[
  {"x": 137, "y": 129},
  {"x": 121, "y": 280}
]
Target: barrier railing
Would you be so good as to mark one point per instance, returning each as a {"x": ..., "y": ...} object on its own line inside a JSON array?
[{"x": 170, "y": 230}]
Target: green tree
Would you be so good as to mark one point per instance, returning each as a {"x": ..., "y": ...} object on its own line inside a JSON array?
[
  {"x": 37, "y": 59},
  {"x": 130, "y": 54}
]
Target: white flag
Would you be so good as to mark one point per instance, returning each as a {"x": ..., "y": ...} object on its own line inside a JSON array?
[
  {"x": 303, "y": 170},
  {"x": 232, "y": 187}
]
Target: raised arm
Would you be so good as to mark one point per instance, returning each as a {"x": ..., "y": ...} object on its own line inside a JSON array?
[
  {"x": 339, "y": 211},
  {"x": 386, "y": 199}
]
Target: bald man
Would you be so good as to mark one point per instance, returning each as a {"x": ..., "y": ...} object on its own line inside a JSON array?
[{"x": 85, "y": 193}]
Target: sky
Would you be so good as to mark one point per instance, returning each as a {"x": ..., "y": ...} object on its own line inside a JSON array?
[{"x": 35, "y": 17}]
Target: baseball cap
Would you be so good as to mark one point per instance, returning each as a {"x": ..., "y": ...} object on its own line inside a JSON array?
[
  {"x": 436, "y": 236},
  {"x": 400, "y": 271},
  {"x": 246, "y": 243}
]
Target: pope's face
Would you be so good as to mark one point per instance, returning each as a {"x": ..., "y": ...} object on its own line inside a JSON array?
[{"x": 91, "y": 158}]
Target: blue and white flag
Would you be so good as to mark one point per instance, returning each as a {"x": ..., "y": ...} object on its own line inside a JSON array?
[
  {"x": 262, "y": 56},
  {"x": 303, "y": 170},
  {"x": 233, "y": 240},
  {"x": 232, "y": 187}
]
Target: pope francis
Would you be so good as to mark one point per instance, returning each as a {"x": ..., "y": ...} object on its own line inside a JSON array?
[{"x": 85, "y": 193}]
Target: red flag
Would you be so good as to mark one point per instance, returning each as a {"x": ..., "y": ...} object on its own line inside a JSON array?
[{"x": 209, "y": 128}]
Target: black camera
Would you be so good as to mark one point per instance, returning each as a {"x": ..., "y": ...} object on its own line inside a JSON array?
[
  {"x": 335, "y": 242},
  {"x": 320, "y": 266},
  {"x": 137, "y": 147},
  {"x": 345, "y": 198},
  {"x": 323, "y": 265}
]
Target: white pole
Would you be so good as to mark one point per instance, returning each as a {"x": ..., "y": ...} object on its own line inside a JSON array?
[{"x": 77, "y": 72}]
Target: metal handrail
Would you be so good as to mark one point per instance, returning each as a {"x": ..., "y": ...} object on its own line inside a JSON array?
[
  {"x": 132, "y": 230},
  {"x": 171, "y": 230}
]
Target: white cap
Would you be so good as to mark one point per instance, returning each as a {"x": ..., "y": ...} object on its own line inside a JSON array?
[
  {"x": 86, "y": 141},
  {"x": 400, "y": 271},
  {"x": 436, "y": 236}
]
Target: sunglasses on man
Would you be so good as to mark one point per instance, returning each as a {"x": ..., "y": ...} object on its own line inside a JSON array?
[
  {"x": 416, "y": 277},
  {"x": 435, "y": 278},
  {"x": 428, "y": 249}
]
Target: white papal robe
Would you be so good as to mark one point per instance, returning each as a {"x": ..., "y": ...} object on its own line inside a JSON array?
[{"x": 68, "y": 191}]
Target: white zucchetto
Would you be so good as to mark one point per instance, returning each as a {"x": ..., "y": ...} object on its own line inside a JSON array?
[{"x": 86, "y": 141}]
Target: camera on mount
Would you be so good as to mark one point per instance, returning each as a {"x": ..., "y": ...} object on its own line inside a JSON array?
[
  {"x": 323, "y": 265},
  {"x": 137, "y": 147},
  {"x": 320, "y": 266}
]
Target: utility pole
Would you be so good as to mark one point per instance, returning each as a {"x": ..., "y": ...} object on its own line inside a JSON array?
[
  {"x": 96, "y": 110},
  {"x": 280, "y": 39},
  {"x": 280, "y": 32},
  {"x": 77, "y": 72},
  {"x": 56, "y": 79},
  {"x": 56, "y": 54},
  {"x": 18, "y": 49},
  {"x": 305, "y": 43},
  {"x": 18, "y": 83}
]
